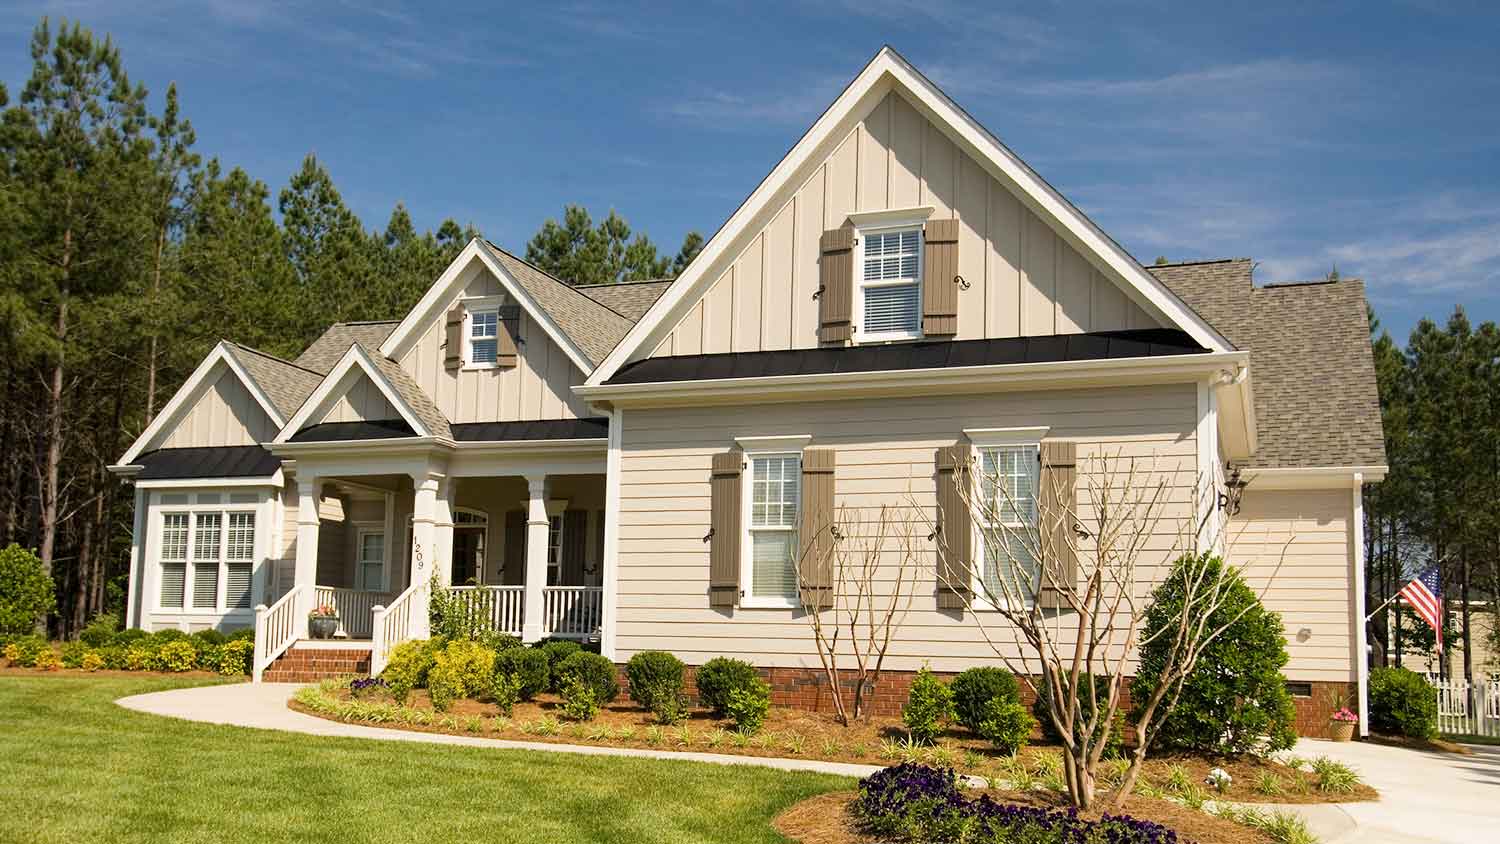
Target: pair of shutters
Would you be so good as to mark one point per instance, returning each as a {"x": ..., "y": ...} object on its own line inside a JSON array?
[
  {"x": 940, "y": 282},
  {"x": 815, "y": 531},
  {"x": 575, "y": 532},
  {"x": 1059, "y": 482},
  {"x": 505, "y": 337}
]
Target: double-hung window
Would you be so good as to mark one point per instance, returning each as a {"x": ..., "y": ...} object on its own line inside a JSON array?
[
  {"x": 207, "y": 560},
  {"x": 774, "y": 512},
  {"x": 890, "y": 285},
  {"x": 174, "y": 548},
  {"x": 371, "y": 564},
  {"x": 1007, "y": 523},
  {"x": 484, "y": 337},
  {"x": 554, "y": 550}
]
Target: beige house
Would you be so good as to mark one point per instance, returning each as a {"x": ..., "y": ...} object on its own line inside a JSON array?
[{"x": 634, "y": 462}]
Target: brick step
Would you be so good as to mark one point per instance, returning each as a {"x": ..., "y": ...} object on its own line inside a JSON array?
[{"x": 309, "y": 665}]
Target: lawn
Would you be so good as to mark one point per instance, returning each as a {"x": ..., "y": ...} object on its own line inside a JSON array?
[{"x": 77, "y": 768}]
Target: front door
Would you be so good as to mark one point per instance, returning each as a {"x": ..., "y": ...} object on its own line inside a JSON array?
[{"x": 468, "y": 556}]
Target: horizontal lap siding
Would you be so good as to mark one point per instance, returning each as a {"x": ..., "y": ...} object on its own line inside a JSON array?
[
  {"x": 885, "y": 454},
  {"x": 1294, "y": 545}
]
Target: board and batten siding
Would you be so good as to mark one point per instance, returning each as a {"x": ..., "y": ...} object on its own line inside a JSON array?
[
  {"x": 539, "y": 386},
  {"x": 1295, "y": 545},
  {"x": 1024, "y": 279},
  {"x": 885, "y": 455},
  {"x": 362, "y": 402},
  {"x": 225, "y": 414}
]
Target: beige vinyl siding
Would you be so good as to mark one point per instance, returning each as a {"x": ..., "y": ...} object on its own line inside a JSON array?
[
  {"x": 1024, "y": 279},
  {"x": 1312, "y": 586},
  {"x": 225, "y": 414},
  {"x": 885, "y": 450},
  {"x": 538, "y": 387},
  {"x": 363, "y": 402}
]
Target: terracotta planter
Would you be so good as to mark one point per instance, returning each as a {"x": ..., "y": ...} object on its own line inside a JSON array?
[
  {"x": 322, "y": 628},
  {"x": 1341, "y": 730}
]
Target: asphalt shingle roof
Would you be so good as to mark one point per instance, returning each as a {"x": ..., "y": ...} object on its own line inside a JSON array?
[
  {"x": 284, "y": 382},
  {"x": 334, "y": 342},
  {"x": 1312, "y": 371},
  {"x": 630, "y": 299},
  {"x": 591, "y": 326}
]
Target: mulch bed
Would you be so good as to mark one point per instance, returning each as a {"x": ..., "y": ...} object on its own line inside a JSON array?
[
  {"x": 825, "y": 819},
  {"x": 798, "y": 733}
]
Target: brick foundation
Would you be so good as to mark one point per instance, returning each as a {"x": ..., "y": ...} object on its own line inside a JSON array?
[
  {"x": 309, "y": 665},
  {"x": 807, "y": 688}
]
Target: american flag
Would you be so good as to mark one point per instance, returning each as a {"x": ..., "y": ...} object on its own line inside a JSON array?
[{"x": 1425, "y": 595}]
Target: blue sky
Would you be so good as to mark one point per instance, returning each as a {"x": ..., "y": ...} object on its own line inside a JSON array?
[{"x": 1358, "y": 134}]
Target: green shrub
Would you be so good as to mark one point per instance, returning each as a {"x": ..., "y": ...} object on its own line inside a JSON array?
[
  {"x": 497, "y": 641},
  {"x": 505, "y": 690},
  {"x": 557, "y": 650},
  {"x": 72, "y": 654},
  {"x": 141, "y": 656},
  {"x": 1402, "y": 703},
  {"x": 242, "y": 634},
  {"x": 468, "y": 665},
  {"x": 718, "y": 677},
  {"x": 114, "y": 657},
  {"x": 100, "y": 632},
  {"x": 443, "y": 685},
  {"x": 235, "y": 657},
  {"x": 1006, "y": 724},
  {"x": 92, "y": 661},
  {"x": 407, "y": 668},
  {"x": 27, "y": 593},
  {"x": 1235, "y": 701},
  {"x": 208, "y": 644},
  {"x": 579, "y": 701},
  {"x": 655, "y": 681},
  {"x": 24, "y": 650},
  {"x": 46, "y": 660},
  {"x": 169, "y": 634},
  {"x": 177, "y": 655},
  {"x": 126, "y": 638},
  {"x": 595, "y": 671},
  {"x": 1088, "y": 705},
  {"x": 974, "y": 688},
  {"x": 528, "y": 666},
  {"x": 210, "y": 637},
  {"x": 748, "y": 704},
  {"x": 929, "y": 705}
]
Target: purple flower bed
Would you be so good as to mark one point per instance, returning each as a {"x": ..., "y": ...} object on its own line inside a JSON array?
[
  {"x": 365, "y": 685},
  {"x": 917, "y": 803}
]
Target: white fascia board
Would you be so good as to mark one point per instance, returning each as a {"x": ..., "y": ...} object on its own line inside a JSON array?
[
  {"x": 193, "y": 387},
  {"x": 337, "y": 380},
  {"x": 276, "y": 479},
  {"x": 943, "y": 380},
  {"x": 1313, "y": 477},
  {"x": 508, "y": 446},
  {"x": 441, "y": 290},
  {"x": 885, "y": 72}
]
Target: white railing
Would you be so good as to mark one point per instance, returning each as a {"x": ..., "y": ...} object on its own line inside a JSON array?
[
  {"x": 571, "y": 612},
  {"x": 390, "y": 626},
  {"x": 275, "y": 630},
  {"x": 504, "y": 606},
  {"x": 1466, "y": 708},
  {"x": 355, "y": 607}
]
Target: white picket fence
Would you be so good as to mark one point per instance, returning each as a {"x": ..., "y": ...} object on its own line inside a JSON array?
[{"x": 1468, "y": 708}]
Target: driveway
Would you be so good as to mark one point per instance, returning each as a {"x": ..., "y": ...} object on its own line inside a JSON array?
[{"x": 1424, "y": 797}]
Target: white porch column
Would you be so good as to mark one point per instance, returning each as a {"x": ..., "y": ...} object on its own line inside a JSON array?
[
  {"x": 536, "y": 557},
  {"x": 424, "y": 553},
  {"x": 305, "y": 574},
  {"x": 442, "y": 530}
]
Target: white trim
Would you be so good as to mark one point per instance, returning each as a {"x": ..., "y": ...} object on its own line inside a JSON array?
[
  {"x": 275, "y": 480},
  {"x": 441, "y": 290},
  {"x": 993, "y": 437},
  {"x": 1361, "y": 643},
  {"x": 190, "y": 562},
  {"x": 891, "y": 218},
  {"x": 1311, "y": 477},
  {"x": 887, "y": 71},
  {"x": 862, "y": 232},
  {"x": 773, "y": 447},
  {"x": 133, "y": 582},
  {"x": 787, "y": 443},
  {"x": 367, "y": 528},
  {"x": 333, "y": 388},
  {"x": 1205, "y": 485},
  {"x": 191, "y": 389},
  {"x": 609, "y": 577}
]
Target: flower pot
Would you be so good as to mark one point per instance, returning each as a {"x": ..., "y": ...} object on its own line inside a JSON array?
[
  {"x": 1341, "y": 730},
  {"x": 322, "y": 628}
]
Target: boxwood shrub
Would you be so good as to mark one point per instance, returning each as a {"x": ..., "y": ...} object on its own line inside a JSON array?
[
  {"x": 528, "y": 666},
  {"x": 1402, "y": 703},
  {"x": 974, "y": 688},
  {"x": 718, "y": 677},
  {"x": 655, "y": 680},
  {"x": 595, "y": 671}
]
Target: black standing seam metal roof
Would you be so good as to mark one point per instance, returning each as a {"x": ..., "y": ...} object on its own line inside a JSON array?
[
  {"x": 380, "y": 429},
  {"x": 385, "y": 429},
  {"x": 228, "y": 461},
  {"x": 894, "y": 357}
]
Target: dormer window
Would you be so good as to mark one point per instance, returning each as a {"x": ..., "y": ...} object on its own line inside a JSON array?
[{"x": 889, "y": 300}]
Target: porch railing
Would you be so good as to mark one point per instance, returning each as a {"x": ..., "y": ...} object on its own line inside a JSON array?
[
  {"x": 275, "y": 630},
  {"x": 571, "y": 612},
  {"x": 504, "y": 606},
  {"x": 355, "y": 607},
  {"x": 390, "y": 626},
  {"x": 1466, "y": 708}
]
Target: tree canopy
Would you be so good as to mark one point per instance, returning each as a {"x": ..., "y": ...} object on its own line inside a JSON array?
[{"x": 579, "y": 252}]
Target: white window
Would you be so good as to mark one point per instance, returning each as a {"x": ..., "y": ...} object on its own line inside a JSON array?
[
  {"x": 890, "y": 285},
  {"x": 554, "y": 550},
  {"x": 484, "y": 337},
  {"x": 174, "y": 545},
  {"x": 1008, "y": 480},
  {"x": 218, "y": 573},
  {"x": 774, "y": 510},
  {"x": 370, "y": 567}
]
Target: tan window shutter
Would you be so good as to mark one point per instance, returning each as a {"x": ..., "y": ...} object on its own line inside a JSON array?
[
  {"x": 1058, "y": 509},
  {"x": 724, "y": 529},
  {"x": 453, "y": 342},
  {"x": 954, "y": 527},
  {"x": 939, "y": 278},
  {"x": 575, "y": 547},
  {"x": 515, "y": 548},
  {"x": 815, "y": 566},
  {"x": 836, "y": 286},
  {"x": 507, "y": 329}
]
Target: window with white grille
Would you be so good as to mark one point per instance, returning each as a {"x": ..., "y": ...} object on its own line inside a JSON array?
[
  {"x": 775, "y": 499},
  {"x": 372, "y": 560},
  {"x": 890, "y": 294},
  {"x": 554, "y": 550},
  {"x": 239, "y": 566},
  {"x": 1008, "y": 481},
  {"x": 199, "y": 552},
  {"x": 484, "y": 337},
  {"x": 173, "y": 555}
]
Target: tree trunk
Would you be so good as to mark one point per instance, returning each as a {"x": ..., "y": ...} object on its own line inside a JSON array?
[
  {"x": 1464, "y": 596},
  {"x": 53, "y": 461},
  {"x": 151, "y": 346}
]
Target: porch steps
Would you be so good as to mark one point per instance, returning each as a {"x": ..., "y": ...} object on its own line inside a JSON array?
[{"x": 309, "y": 662}]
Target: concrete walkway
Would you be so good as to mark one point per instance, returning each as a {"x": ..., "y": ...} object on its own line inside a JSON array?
[{"x": 1425, "y": 797}]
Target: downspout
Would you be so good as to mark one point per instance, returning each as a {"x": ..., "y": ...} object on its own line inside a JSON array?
[{"x": 1361, "y": 634}]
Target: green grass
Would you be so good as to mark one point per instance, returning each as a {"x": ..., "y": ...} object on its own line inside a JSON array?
[{"x": 77, "y": 768}]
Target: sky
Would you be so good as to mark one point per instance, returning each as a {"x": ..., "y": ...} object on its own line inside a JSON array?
[{"x": 1363, "y": 136}]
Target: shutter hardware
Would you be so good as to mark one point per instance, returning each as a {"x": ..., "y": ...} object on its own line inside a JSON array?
[
  {"x": 709, "y": 535},
  {"x": 959, "y": 280}
]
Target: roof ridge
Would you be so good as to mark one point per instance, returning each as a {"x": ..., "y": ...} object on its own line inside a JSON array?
[
  {"x": 1316, "y": 282},
  {"x": 255, "y": 351},
  {"x": 663, "y": 280},
  {"x": 365, "y": 322},
  {"x": 1195, "y": 262},
  {"x": 571, "y": 287}
]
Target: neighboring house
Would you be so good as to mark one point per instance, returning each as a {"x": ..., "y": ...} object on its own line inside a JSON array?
[{"x": 900, "y": 287}]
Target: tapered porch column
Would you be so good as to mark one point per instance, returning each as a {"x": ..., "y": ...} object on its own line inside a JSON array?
[
  {"x": 536, "y": 557},
  {"x": 305, "y": 572}
]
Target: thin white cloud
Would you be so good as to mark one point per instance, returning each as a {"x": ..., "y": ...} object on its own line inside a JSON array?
[{"x": 721, "y": 109}]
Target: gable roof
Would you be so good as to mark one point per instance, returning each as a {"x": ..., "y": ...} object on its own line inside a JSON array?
[
  {"x": 417, "y": 409},
  {"x": 286, "y": 384},
  {"x": 336, "y": 340},
  {"x": 589, "y": 323},
  {"x": 630, "y": 299},
  {"x": 1312, "y": 368},
  {"x": 888, "y": 72}
]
